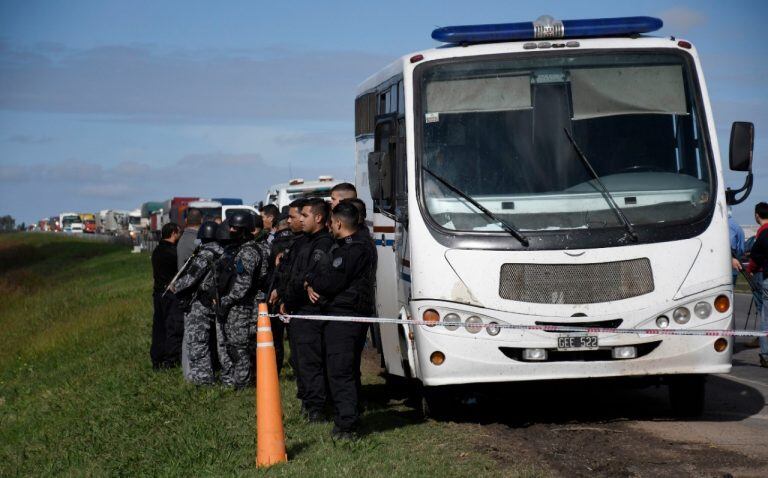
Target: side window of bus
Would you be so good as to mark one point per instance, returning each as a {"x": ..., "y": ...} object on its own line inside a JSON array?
[
  {"x": 401, "y": 172},
  {"x": 382, "y": 165}
]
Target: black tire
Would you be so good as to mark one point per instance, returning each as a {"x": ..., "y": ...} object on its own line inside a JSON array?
[
  {"x": 687, "y": 394},
  {"x": 431, "y": 402}
]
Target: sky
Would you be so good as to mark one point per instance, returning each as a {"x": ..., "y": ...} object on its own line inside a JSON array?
[{"x": 108, "y": 104}]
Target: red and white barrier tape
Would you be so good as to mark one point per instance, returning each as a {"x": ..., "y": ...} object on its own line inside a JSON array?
[{"x": 545, "y": 328}]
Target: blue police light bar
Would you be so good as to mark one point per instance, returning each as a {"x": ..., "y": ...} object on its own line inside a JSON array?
[{"x": 547, "y": 27}]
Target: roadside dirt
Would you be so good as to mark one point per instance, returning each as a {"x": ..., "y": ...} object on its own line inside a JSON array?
[{"x": 607, "y": 449}]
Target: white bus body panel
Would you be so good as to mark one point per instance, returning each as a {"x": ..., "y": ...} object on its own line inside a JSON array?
[{"x": 467, "y": 281}]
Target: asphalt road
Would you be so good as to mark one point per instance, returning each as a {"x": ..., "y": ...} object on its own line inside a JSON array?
[{"x": 736, "y": 416}]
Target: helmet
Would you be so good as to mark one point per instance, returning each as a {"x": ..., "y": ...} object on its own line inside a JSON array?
[
  {"x": 241, "y": 219},
  {"x": 207, "y": 231},
  {"x": 222, "y": 233}
]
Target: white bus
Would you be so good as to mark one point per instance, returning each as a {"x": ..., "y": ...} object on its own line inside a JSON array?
[{"x": 484, "y": 163}]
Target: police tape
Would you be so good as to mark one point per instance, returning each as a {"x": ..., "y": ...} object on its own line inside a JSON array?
[{"x": 546, "y": 328}]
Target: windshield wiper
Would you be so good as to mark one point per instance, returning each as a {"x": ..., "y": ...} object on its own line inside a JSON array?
[
  {"x": 507, "y": 227},
  {"x": 607, "y": 195}
]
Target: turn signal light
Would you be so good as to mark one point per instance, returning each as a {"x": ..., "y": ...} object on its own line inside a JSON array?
[
  {"x": 431, "y": 316},
  {"x": 437, "y": 358},
  {"x": 722, "y": 303},
  {"x": 721, "y": 344}
]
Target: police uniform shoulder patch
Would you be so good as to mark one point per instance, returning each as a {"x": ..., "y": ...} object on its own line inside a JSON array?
[
  {"x": 337, "y": 262},
  {"x": 317, "y": 256}
]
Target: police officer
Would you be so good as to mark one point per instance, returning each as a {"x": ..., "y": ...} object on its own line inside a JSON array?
[
  {"x": 282, "y": 241},
  {"x": 283, "y": 265},
  {"x": 236, "y": 351},
  {"x": 197, "y": 300},
  {"x": 344, "y": 288},
  {"x": 306, "y": 335}
]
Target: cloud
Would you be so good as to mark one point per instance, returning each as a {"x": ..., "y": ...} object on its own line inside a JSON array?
[
  {"x": 145, "y": 83},
  {"x": 110, "y": 190},
  {"x": 682, "y": 20},
  {"x": 211, "y": 160},
  {"x": 131, "y": 169},
  {"x": 325, "y": 139},
  {"x": 13, "y": 173},
  {"x": 26, "y": 139}
]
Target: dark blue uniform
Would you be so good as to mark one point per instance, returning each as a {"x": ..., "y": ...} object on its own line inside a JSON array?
[{"x": 346, "y": 287}]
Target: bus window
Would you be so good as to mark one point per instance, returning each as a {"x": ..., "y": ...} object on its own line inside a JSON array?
[{"x": 385, "y": 142}]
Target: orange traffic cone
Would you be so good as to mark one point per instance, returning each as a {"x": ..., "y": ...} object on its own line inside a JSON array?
[{"x": 270, "y": 436}]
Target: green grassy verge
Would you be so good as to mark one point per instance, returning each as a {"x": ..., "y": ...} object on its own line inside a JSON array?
[{"x": 78, "y": 396}]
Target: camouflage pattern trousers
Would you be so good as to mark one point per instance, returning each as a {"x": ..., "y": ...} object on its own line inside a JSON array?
[
  {"x": 237, "y": 351},
  {"x": 198, "y": 324}
]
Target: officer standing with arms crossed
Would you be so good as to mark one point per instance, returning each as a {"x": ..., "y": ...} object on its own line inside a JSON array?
[
  {"x": 236, "y": 350},
  {"x": 195, "y": 287},
  {"x": 306, "y": 335},
  {"x": 346, "y": 289}
]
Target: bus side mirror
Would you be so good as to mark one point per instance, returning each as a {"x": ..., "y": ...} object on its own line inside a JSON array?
[
  {"x": 379, "y": 179},
  {"x": 742, "y": 144},
  {"x": 740, "y": 159}
]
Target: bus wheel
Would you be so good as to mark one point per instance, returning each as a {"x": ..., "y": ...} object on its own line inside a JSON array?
[
  {"x": 687, "y": 394},
  {"x": 432, "y": 403}
]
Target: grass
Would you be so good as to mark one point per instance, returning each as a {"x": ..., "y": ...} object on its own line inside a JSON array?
[{"x": 78, "y": 396}]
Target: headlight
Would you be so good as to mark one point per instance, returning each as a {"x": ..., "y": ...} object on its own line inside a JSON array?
[
  {"x": 681, "y": 315},
  {"x": 662, "y": 322},
  {"x": 453, "y": 319},
  {"x": 474, "y": 324},
  {"x": 493, "y": 329},
  {"x": 702, "y": 310}
]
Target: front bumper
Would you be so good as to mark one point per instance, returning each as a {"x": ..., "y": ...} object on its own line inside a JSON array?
[{"x": 479, "y": 358}]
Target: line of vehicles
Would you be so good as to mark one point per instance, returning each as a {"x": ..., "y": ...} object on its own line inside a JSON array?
[{"x": 148, "y": 219}]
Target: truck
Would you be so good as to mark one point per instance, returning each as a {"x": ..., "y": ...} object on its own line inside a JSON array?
[
  {"x": 89, "y": 222},
  {"x": 527, "y": 178},
  {"x": 174, "y": 208},
  {"x": 113, "y": 221},
  {"x": 71, "y": 223},
  {"x": 283, "y": 194}
]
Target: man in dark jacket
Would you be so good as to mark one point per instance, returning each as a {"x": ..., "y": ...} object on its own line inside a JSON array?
[
  {"x": 167, "y": 321},
  {"x": 344, "y": 289},
  {"x": 306, "y": 335},
  {"x": 758, "y": 261}
]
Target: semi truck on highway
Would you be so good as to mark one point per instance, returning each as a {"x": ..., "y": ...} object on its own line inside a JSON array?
[{"x": 549, "y": 173}]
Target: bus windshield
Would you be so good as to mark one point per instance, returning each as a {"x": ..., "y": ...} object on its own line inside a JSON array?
[{"x": 495, "y": 129}]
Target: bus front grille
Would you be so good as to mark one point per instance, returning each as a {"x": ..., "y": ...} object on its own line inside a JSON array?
[{"x": 576, "y": 283}]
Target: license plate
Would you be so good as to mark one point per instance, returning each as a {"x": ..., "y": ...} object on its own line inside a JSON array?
[{"x": 577, "y": 342}]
